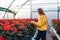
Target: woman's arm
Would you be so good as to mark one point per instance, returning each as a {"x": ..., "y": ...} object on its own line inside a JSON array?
[{"x": 40, "y": 22}]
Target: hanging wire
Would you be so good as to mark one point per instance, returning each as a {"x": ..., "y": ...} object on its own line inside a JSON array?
[
  {"x": 8, "y": 8},
  {"x": 21, "y": 7},
  {"x": 31, "y": 9},
  {"x": 58, "y": 9}
]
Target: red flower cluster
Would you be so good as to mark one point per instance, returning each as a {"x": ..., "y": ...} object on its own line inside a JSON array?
[
  {"x": 10, "y": 24},
  {"x": 56, "y": 20},
  {"x": 2, "y": 38},
  {"x": 56, "y": 23},
  {"x": 14, "y": 25}
]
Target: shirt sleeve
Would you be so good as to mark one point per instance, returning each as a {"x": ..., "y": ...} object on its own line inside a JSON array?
[{"x": 40, "y": 22}]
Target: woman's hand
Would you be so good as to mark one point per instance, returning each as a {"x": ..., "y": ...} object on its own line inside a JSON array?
[{"x": 32, "y": 21}]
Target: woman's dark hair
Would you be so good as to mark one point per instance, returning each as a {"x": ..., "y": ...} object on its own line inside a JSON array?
[{"x": 40, "y": 11}]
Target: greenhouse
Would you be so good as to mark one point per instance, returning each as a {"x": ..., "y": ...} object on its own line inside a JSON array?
[{"x": 16, "y": 17}]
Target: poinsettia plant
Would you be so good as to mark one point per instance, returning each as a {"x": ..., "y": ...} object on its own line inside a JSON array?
[
  {"x": 56, "y": 24},
  {"x": 15, "y": 29}
]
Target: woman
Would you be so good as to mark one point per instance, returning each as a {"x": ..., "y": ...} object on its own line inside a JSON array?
[{"x": 41, "y": 24}]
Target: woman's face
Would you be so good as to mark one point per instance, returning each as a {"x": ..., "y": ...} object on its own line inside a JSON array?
[{"x": 39, "y": 13}]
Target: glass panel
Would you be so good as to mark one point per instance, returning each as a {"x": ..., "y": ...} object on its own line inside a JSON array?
[
  {"x": 43, "y": 1},
  {"x": 35, "y": 15},
  {"x": 50, "y": 16},
  {"x": 50, "y": 6},
  {"x": 58, "y": 0},
  {"x": 5, "y": 3}
]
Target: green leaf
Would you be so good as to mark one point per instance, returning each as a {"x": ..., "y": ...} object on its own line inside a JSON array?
[{"x": 7, "y": 10}]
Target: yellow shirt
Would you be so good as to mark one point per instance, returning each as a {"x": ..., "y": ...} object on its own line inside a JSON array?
[{"x": 42, "y": 23}]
